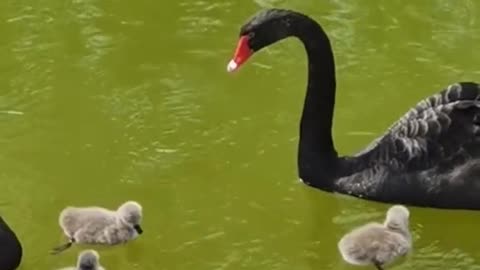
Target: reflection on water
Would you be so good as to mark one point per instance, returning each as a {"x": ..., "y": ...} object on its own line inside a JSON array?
[{"x": 201, "y": 17}]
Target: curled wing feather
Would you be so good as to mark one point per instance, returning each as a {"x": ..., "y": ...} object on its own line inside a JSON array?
[{"x": 441, "y": 129}]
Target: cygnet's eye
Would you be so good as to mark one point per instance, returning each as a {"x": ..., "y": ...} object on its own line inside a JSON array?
[{"x": 131, "y": 218}]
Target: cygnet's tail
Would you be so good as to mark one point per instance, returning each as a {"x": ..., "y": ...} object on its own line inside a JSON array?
[{"x": 57, "y": 250}]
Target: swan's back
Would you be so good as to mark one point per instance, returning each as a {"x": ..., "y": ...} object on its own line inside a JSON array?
[
  {"x": 11, "y": 250},
  {"x": 432, "y": 117},
  {"x": 428, "y": 157}
]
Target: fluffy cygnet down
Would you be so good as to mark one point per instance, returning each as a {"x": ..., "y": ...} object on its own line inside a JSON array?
[
  {"x": 378, "y": 244},
  {"x": 87, "y": 260},
  {"x": 96, "y": 225}
]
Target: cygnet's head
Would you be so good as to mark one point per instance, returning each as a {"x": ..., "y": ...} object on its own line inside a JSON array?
[
  {"x": 398, "y": 217},
  {"x": 88, "y": 260},
  {"x": 131, "y": 213}
]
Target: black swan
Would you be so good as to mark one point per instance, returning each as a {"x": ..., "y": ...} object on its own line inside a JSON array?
[
  {"x": 10, "y": 248},
  {"x": 430, "y": 157}
]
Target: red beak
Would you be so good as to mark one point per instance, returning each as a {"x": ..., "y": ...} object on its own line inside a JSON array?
[{"x": 242, "y": 53}]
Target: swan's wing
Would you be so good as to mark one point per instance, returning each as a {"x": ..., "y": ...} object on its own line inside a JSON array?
[{"x": 441, "y": 128}]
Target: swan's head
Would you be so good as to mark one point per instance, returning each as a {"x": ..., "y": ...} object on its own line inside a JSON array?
[
  {"x": 398, "y": 216},
  {"x": 88, "y": 259},
  {"x": 263, "y": 29},
  {"x": 131, "y": 213}
]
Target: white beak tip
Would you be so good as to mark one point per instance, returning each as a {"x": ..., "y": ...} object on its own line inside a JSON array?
[{"x": 232, "y": 66}]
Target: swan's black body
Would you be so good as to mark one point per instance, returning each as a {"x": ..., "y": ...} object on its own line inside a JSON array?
[
  {"x": 10, "y": 248},
  {"x": 430, "y": 157}
]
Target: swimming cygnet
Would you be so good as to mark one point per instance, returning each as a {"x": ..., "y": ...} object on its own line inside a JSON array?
[
  {"x": 96, "y": 225},
  {"x": 378, "y": 244},
  {"x": 10, "y": 248},
  {"x": 87, "y": 260}
]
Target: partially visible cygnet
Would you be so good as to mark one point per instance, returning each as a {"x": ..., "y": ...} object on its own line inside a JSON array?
[
  {"x": 87, "y": 260},
  {"x": 96, "y": 225},
  {"x": 378, "y": 244}
]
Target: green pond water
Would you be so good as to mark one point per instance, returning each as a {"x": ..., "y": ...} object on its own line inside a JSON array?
[{"x": 104, "y": 101}]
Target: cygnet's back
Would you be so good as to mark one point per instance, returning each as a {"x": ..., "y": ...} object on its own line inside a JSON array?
[
  {"x": 73, "y": 218},
  {"x": 376, "y": 243}
]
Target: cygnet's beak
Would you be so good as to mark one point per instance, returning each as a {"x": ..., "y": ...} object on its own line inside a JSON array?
[{"x": 138, "y": 228}]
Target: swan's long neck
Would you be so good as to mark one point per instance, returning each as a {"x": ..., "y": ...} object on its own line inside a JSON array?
[{"x": 317, "y": 156}]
